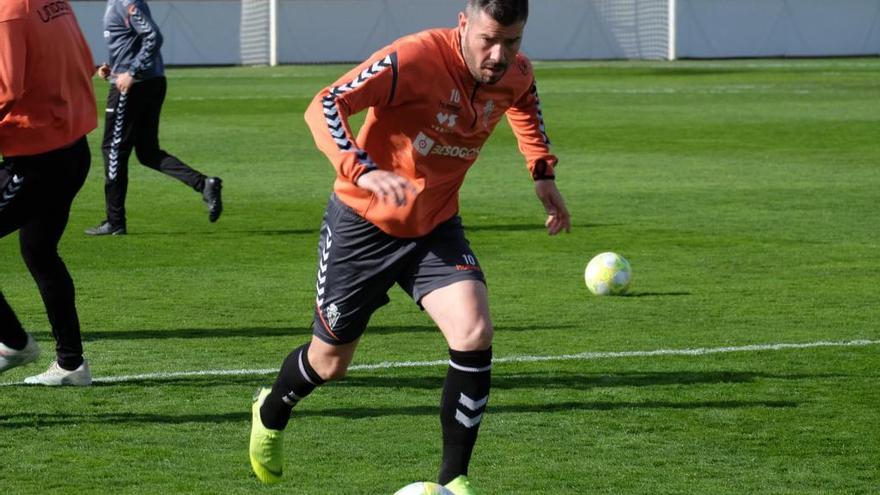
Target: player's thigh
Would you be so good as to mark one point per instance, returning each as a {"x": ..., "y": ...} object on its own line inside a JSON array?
[
  {"x": 61, "y": 174},
  {"x": 120, "y": 117},
  {"x": 461, "y": 311},
  {"x": 357, "y": 263},
  {"x": 447, "y": 281},
  {"x": 148, "y": 99}
]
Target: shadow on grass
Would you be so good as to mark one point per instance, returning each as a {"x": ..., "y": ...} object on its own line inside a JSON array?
[
  {"x": 656, "y": 294},
  {"x": 215, "y": 333},
  {"x": 519, "y": 381},
  {"x": 225, "y": 233},
  {"x": 39, "y": 420},
  {"x": 525, "y": 227},
  {"x": 530, "y": 227},
  {"x": 555, "y": 381}
]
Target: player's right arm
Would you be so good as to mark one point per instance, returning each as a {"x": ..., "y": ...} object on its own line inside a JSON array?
[
  {"x": 13, "y": 53},
  {"x": 371, "y": 84},
  {"x": 148, "y": 31}
]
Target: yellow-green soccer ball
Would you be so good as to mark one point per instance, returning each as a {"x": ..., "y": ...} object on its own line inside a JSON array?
[
  {"x": 423, "y": 488},
  {"x": 608, "y": 274}
]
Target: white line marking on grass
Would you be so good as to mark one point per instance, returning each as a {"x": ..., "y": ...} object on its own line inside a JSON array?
[{"x": 583, "y": 356}]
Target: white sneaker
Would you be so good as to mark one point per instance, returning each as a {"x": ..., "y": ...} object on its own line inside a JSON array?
[
  {"x": 56, "y": 375},
  {"x": 10, "y": 358}
]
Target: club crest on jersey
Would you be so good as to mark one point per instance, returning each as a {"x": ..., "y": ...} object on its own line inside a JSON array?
[
  {"x": 487, "y": 112},
  {"x": 332, "y": 314}
]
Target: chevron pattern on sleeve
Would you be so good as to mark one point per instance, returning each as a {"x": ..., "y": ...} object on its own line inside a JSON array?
[
  {"x": 334, "y": 121},
  {"x": 540, "y": 114}
]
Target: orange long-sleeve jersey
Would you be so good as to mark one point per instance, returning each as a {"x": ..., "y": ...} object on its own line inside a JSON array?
[
  {"x": 428, "y": 119},
  {"x": 46, "y": 96}
]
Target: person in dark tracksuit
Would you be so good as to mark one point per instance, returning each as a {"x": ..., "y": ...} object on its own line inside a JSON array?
[
  {"x": 47, "y": 106},
  {"x": 137, "y": 90}
]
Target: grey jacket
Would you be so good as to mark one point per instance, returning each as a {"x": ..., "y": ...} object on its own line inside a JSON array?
[{"x": 133, "y": 39}]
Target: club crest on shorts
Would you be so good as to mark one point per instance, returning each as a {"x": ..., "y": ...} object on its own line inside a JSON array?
[{"x": 332, "y": 314}]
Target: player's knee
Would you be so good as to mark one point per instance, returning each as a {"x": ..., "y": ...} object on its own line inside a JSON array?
[
  {"x": 148, "y": 157},
  {"x": 331, "y": 369},
  {"x": 328, "y": 362},
  {"x": 39, "y": 254},
  {"x": 475, "y": 336}
]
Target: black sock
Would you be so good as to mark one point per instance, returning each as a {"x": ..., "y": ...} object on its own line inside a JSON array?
[
  {"x": 296, "y": 380},
  {"x": 465, "y": 394},
  {"x": 11, "y": 333}
]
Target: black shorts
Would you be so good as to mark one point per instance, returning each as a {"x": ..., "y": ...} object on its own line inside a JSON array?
[{"x": 358, "y": 263}]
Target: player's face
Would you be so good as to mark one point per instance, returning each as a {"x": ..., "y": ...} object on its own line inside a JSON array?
[{"x": 488, "y": 47}]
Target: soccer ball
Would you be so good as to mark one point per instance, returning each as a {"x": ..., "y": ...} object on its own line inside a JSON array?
[
  {"x": 423, "y": 488},
  {"x": 608, "y": 274}
]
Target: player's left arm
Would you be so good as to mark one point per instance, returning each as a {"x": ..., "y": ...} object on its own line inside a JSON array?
[
  {"x": 558, "y": 218},
  {"x": 527, "y": 121},
  {"x": 12, "y": 63}
]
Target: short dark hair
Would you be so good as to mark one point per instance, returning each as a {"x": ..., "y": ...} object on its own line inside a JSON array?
[{"x": 504, "y": 12}]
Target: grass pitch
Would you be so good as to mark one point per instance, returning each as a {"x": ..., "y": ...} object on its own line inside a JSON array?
[{"x": 745, "y": 194}]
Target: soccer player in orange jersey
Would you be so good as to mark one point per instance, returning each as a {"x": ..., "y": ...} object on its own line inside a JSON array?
[
  {"x": 433, "y": 99},
  {"x": 47, "y": 107}
]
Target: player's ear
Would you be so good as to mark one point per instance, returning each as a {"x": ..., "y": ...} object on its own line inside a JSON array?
[{"x": 462, "y": 22}]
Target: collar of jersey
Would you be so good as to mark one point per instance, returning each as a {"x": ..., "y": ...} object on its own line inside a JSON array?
[{"x": 459, "y": 59}]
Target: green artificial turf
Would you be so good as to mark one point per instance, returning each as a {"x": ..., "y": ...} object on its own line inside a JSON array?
[{"x": 744, "y": 193}]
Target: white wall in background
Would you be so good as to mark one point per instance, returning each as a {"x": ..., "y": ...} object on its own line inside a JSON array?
[{"x": 208, "y": 31}]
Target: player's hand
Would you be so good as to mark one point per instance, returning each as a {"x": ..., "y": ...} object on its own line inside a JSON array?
[
  {"x": 103, "y": 71},
  {"x": 388, "y": 186},
  {"x": 124, "y": 81},
  {"x": 558, "y": 218}
]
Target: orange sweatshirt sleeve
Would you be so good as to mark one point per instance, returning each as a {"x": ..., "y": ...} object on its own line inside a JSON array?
[
  {"x": 12, "y": 61},
  {"x": 527, "y": 121},
  {"x": 372, "y": 83}
]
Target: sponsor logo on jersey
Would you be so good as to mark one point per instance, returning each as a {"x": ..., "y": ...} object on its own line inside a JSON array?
[
  {"x": 427, "y": 146},
  {"x": 456, "y": 151},
  {"x": 447, "y": 119},
  {"x": 423, "y": 144}
]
